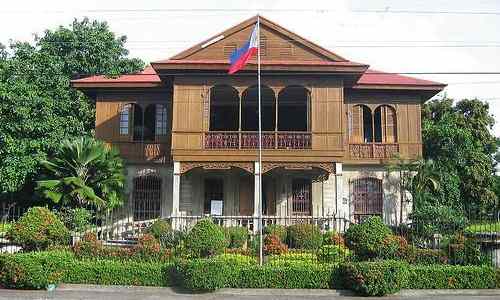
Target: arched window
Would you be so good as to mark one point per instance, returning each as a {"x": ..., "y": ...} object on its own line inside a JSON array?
[
  {"x": 125, "y": 119},
  {"x": 161, "y": 119},
  {"x": 147, "y": 197},
  {"x": 385, "y": 124},
  {"x": 250, "y": 109},
  {"x": 361, "y": 124},
  {"x": 367, "y": 195},
  {"x": 293, "y": 109},
  {"x": 224, "y": 108}
]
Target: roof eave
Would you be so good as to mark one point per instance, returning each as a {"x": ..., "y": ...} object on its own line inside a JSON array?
[{"x": 437, "y": 87}]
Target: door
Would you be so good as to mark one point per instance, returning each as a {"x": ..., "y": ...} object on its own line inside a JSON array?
[
  {"x": 269, "y": 203},
  {"x": 301, "y": 197},
  {"x": 214, "y": 196},
  {"x": 246, "y": 195},
  {"x": 367, "y": 197}
]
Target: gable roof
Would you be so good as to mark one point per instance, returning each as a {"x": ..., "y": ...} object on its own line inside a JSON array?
[
  {"x": 265, "y": 22},
  {"x": 376, "y": 79}
]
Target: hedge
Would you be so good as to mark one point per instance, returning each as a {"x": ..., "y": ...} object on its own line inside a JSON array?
[
  {"x": 212, "y": 274},
  {"x": 450, "y": 277},
  {"x": 35, "y": 270}
]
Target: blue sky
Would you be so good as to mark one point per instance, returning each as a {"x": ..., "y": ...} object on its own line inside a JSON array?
[{"x": 341, "y": 26}]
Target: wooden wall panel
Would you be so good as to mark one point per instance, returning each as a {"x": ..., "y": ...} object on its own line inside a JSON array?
[{"x": 275, "y": 46}]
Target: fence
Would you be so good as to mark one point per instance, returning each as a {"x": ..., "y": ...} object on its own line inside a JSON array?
[{"x": 455, "y": 242}]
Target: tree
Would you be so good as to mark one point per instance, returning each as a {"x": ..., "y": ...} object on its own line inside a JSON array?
[
  {"x": 458, "y": 139},
  {"x": 84, "y": 171},
  {"x": 38, "y": 108}
]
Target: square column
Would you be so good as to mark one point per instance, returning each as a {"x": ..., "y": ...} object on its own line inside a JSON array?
[
  {"x": 256, "y": 197},
  {"x": 176, "y": 193},
  {"x": 341, "y": 204}
]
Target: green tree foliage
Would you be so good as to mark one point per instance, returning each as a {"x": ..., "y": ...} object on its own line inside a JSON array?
[
  {"x": 38, "y": 107},
  {"x": 458, "y": 139},
  {"x": 84, "y": 171}
]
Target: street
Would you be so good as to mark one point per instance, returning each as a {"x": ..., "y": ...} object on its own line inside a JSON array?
[{"x": 124, "y": 293}]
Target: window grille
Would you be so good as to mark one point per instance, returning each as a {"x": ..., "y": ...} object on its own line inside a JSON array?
[
  {"x": 301, "y": 197},
  {"x": 124, "y": 120},
  {"x": 147, "y": 198}
]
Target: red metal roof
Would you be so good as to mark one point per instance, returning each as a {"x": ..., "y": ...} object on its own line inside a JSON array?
[
  {"x": 148, "y": 75},
  {"x": 373, "y": 77}
]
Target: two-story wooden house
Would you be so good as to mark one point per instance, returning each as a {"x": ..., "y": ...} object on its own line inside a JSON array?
[{"x": 188, "y": 131}]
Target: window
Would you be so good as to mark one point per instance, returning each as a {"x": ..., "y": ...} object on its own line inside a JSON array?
[
  {"x": 367, "y": 197},
  {"x": 228, "y": 49},
  {"x": 286, "y": 50},
  {"x": 125, "y": 119},
  {"x": 214, "y": 191},
  {"x": 379, "y": 127},
  {"x": 138, "y": 123},
  {"x": 263, "y": 45},
  {"x": 224, "y": 108},
  {"x": 301, "y": 197},
  {"x": 293, "y": 109},
  {"x": 250, "y": 109},
  {"x": 161, "y": 119},
  {"x": 147, "y": 197}
]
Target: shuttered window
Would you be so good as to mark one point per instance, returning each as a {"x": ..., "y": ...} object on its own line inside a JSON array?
[
  {"x": 379, "y": 127},
  {"x": 385, "y": 124},
  {"x": 125, "y": 119},
  {"x": 161, "y": 119}
]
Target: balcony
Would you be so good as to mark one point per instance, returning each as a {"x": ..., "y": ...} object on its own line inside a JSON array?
[
  {"x": 250, "y": 140},
  {"x": 373, "y": 150}
]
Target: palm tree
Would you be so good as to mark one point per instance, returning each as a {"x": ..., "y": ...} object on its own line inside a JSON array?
[{"x": 84, "y": 171}]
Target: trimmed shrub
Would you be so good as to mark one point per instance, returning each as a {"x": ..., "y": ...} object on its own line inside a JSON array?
[
  {"x": 34, "y": 270},
  {"x": 333, "y": 238},
  {"x": 237, "y": 237},
  {"x": 304, "y": 236},
  {"x": 333, "y": 254},
  {"x": 274, "y": 246},
  {"x": 450, "y": 277},
  {"x": 292, "y": 259},
  {"x": 172, "y": 239},
  {"x": 366, "y": 238},
  {"x": 377, "y": 278},
  {"x": 278, "y": 230},
  {"x": 393, "y": 247},
  {"x": 147, "y": 248},
  {"x": 38, "y": 229},
  {"x": 463, "y": 251},
  {"x": 419, "y": 256},
  {"x": 212, "y": 274},
  {"x": 111, "y": 272},
  {"x": 159, "y": 228},
  {"x": 205, "y": 239}
]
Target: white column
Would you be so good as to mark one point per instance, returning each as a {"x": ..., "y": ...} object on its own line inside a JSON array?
[
  {"x": 256, "y": 200},
  {"x": 176, "y": 193},
  {"x": 342, "y": 208}
]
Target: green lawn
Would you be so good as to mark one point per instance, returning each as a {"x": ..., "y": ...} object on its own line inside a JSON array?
[{"x": 483, "y": 228}]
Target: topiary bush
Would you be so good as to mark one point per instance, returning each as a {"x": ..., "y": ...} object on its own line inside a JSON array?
[
  {"x": 278, "y": 230},
  {"x": 38, "y": 229},
  {"x": 159, "y": 229},
  {"x": 333, "y": 254},
  {"x": 205, "y": 239},
  {"x": 304, "y": 236},
  {"x": 365, "y": 239},
  {"x": 377, "y": 278},
  {"x": 237, "y": 237}
]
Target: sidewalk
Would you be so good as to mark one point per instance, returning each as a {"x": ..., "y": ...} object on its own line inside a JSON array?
[{"x": 78, "y": 292}]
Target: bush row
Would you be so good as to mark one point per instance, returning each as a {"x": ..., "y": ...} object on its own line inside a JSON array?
[{"x": 36, "y": 270}]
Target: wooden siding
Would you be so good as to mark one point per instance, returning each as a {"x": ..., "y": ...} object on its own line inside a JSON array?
[
  {"x": 107, "y": 124},
  {"x": 275, "y": 46}
]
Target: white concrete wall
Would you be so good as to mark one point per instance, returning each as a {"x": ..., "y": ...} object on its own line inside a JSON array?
[{"x": 391, "y": 190}]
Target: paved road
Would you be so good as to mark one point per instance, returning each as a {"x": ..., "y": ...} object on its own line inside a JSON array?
[{"x": 72, "y": 293}]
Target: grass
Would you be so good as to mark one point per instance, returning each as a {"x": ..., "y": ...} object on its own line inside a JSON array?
[{"x": 483, "y": 228}]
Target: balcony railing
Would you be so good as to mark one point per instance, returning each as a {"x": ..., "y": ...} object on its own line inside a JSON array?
[
  {"x": 373, "y": 150},
  {"x": 250, "y": 140},
  {"x": 143, "y": 151}
]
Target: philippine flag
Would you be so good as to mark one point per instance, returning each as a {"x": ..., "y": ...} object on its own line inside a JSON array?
[{"x": 240, "y": 57}]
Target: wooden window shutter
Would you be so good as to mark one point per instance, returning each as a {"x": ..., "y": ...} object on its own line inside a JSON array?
[
  {"x": 357, "y": 124},
  {"x": 390, "y": 125}
]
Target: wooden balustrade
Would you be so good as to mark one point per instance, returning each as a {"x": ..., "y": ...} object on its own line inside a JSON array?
[
  {"x": 250, "y": 140},
  {"x": 143, "y": 151},
  {"x": 373, "y": 150}
]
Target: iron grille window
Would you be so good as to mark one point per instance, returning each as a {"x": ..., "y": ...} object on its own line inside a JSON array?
[
  {"x": 301, "y": 197},
  {"x": 161, "y": 119},
  {"x": 368, "y": 197},
  {"x": 124, "y": 119},
  {"x": 147, "y": 198},
  {"x": 214, "y": 190}
]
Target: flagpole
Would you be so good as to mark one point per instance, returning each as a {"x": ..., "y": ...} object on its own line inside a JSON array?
[{"x": 260, "y": 142}]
